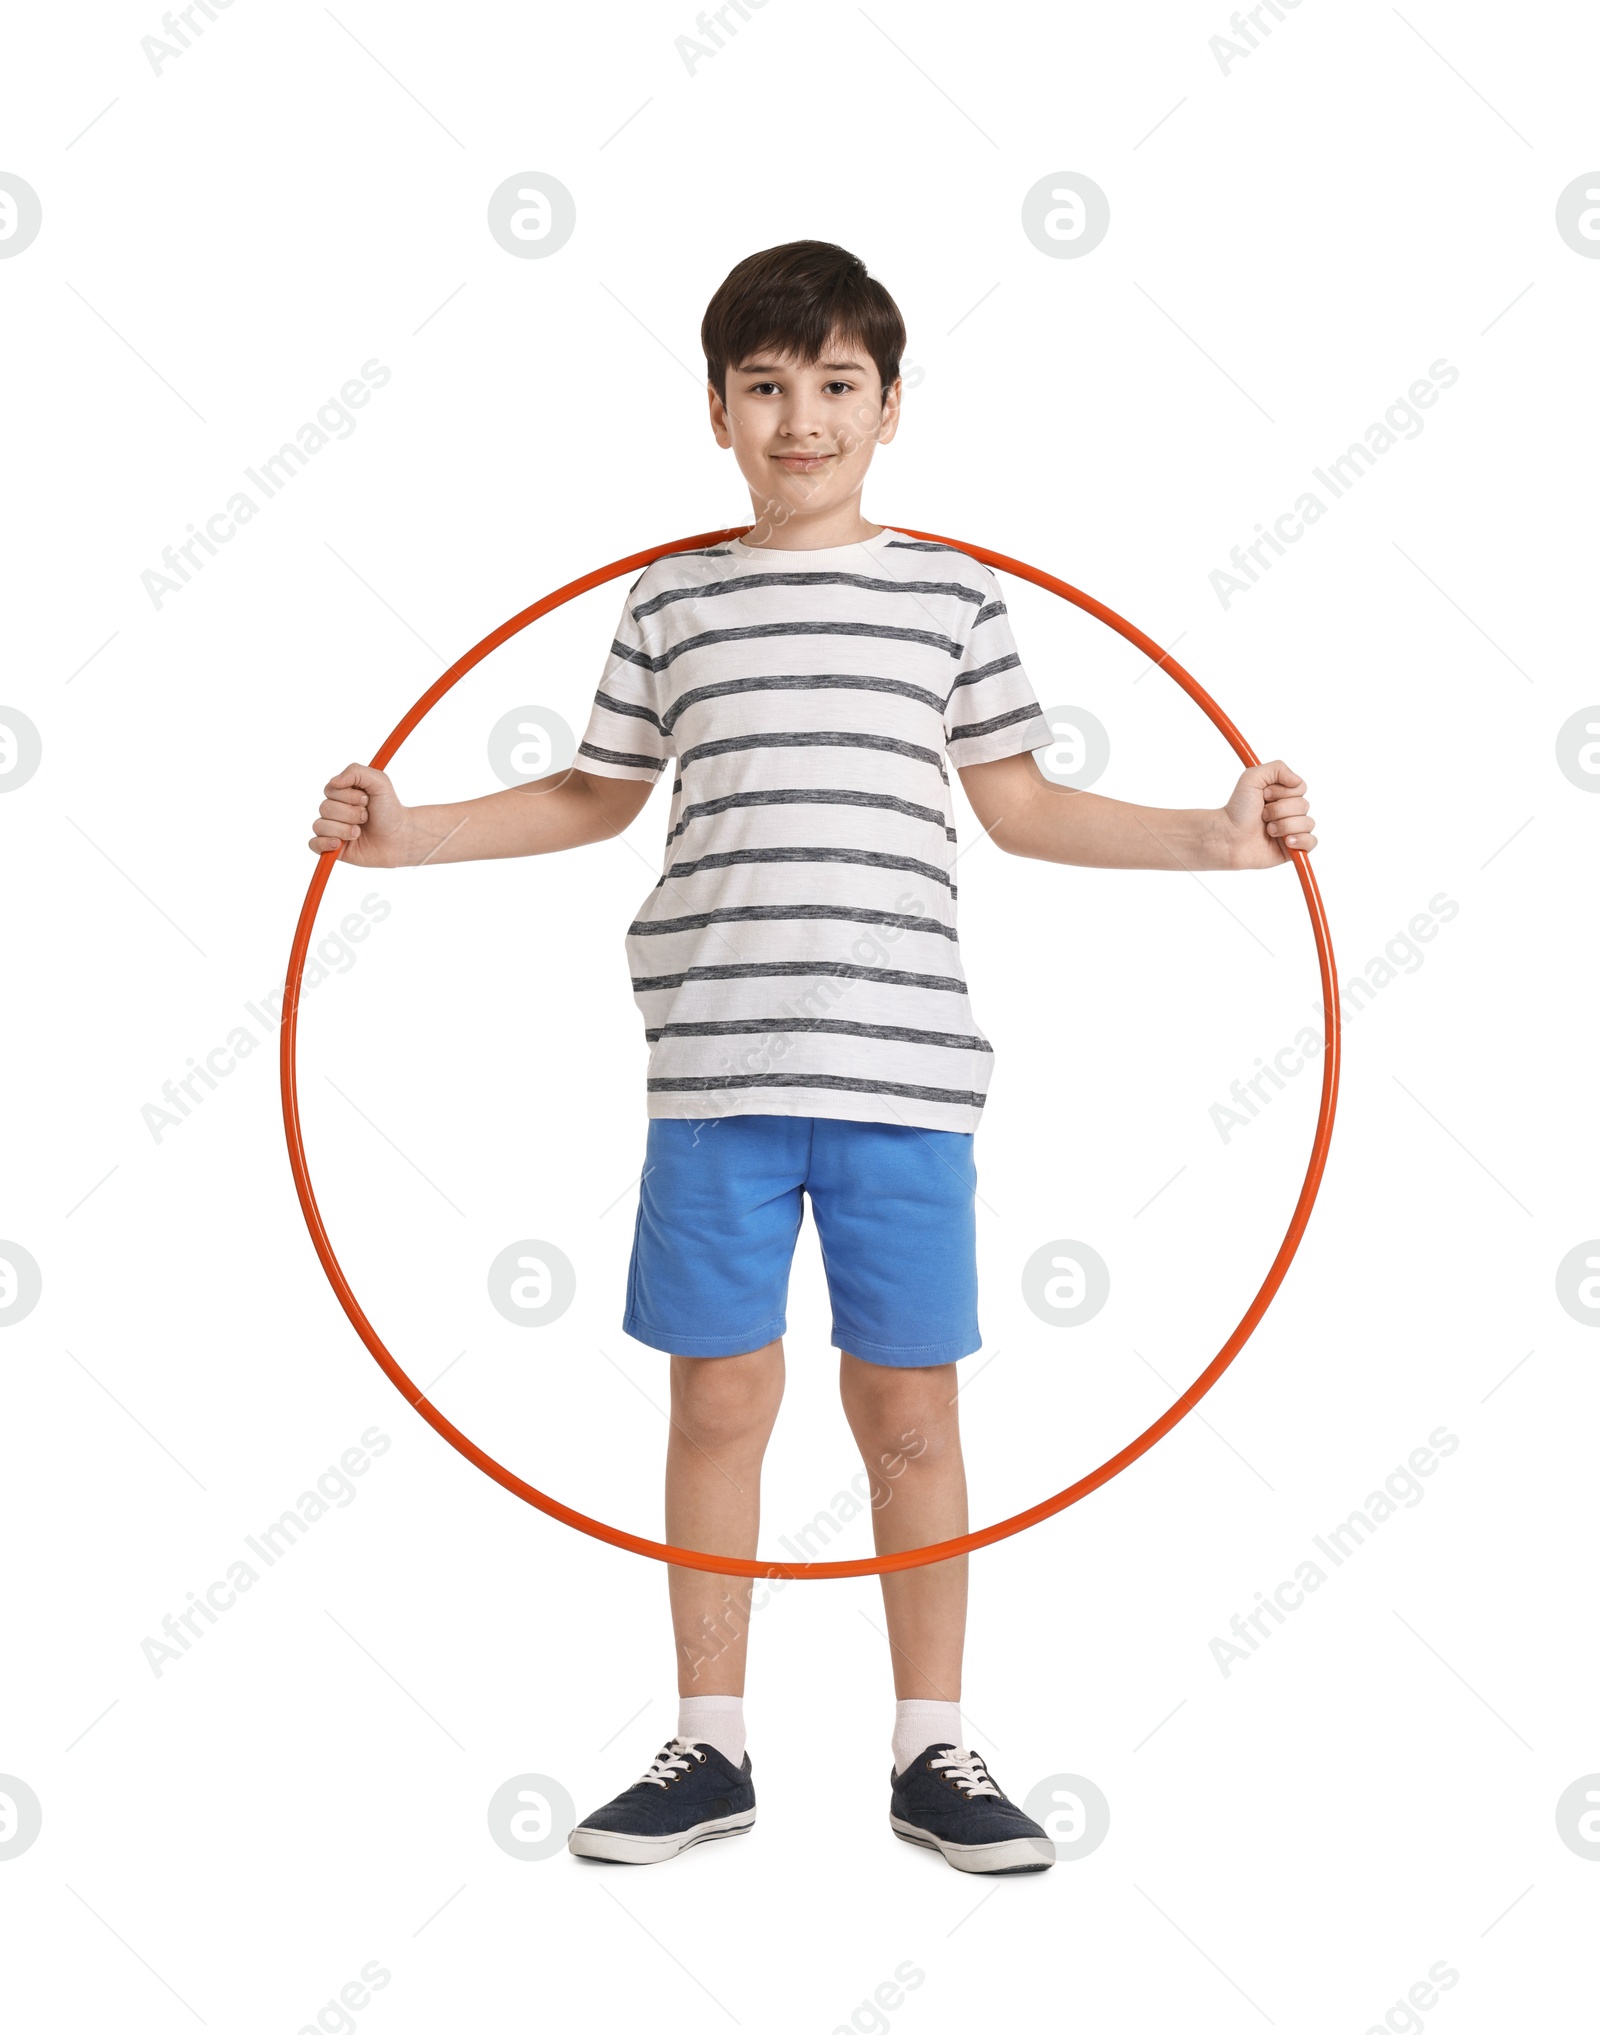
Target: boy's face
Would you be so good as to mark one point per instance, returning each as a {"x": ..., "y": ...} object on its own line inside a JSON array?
[{"x": 804, "y": 436}]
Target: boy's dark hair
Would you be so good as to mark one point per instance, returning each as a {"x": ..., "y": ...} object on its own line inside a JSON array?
[{"x": 792, "y": 299}]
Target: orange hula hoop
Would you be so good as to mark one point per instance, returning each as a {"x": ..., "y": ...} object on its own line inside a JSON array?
[{"x": 907, "y": 1558}]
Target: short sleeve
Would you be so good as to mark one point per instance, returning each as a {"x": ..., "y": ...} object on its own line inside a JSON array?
[
  {"x": 992, "y": 710},
  {"x": 625, "y": 736}
]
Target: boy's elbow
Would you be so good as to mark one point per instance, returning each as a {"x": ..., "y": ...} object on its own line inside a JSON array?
[
  {"x": 997, "y": 818},
  {"x": 607, "y": 805},
  {"x": 1004, "y": 800},
  {"x": 1005, "y": 837}
]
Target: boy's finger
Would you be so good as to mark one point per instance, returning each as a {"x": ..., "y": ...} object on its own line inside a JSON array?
[
  {"x": 340, "y": 809},
  {"x": 359, "y": 775},
  {"x": 335, "y": 830}
]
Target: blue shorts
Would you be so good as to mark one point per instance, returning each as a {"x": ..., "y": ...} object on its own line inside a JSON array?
[{"x": 719, "y": 1211}]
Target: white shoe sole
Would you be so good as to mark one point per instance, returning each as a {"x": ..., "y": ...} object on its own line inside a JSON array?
[
  {"x": 621, "y": 1849},
  {"x": 1015, "y": 1854}
]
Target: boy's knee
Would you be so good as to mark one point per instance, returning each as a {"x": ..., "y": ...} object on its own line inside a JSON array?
[
  {"x": 920, "y": 1395},
  {"x": 904, "y": 1418},
  {"x": 911, "y": 1451},
  {"x": 723, "y": 1399}
]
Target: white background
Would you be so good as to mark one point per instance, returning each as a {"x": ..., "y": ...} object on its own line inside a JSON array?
[{"x": 1293, "y": 242}]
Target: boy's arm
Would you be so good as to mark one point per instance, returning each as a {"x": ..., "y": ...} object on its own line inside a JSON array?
[
  {"x": 1026, "y": 814},
  {"x": 361, "y": 814}
]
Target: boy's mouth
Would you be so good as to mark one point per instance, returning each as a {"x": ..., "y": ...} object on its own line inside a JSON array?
[{"x": 803, "y": 462}]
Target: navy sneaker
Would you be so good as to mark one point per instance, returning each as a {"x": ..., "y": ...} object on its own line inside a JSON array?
[
  {"x": 688, "y": 1794},
  {"x": 947, "y": 1800}
]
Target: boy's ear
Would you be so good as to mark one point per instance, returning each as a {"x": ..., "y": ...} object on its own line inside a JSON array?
[
  {"x": 719, "y": 416},
  {"x": 889, "y": 423}
]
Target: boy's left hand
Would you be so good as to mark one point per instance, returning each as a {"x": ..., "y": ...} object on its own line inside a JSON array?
[{"x": 1266, "y": 817}]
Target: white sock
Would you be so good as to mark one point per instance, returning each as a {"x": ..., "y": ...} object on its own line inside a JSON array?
[
  {"x": 918, "y": 1725},
  {"x": 714, "y": 1720}
]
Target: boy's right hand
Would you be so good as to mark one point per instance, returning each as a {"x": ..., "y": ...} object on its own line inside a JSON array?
[{"x": 360, "y": 814}]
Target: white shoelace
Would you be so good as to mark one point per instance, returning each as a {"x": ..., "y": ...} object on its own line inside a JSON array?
[
  {"x": 675, "y": 1757},
  {"x": 968, "y": 1772}
]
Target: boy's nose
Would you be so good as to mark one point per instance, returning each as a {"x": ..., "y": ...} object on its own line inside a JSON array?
[
  {"x": 799, "y": 443},
  {"x": 801, "y": 415}
]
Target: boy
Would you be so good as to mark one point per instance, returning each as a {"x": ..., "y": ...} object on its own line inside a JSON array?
[{"x": 797, "y": 969}]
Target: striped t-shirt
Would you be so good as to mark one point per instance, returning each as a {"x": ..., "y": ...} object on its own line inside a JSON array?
[{"x": 798, "y": 955}]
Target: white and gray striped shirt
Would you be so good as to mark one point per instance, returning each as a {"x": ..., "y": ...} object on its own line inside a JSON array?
[{"x": 798, "y": 955}]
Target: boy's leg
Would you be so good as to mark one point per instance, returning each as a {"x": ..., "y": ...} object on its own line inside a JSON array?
[
  {"x": 723, "y": 1409},
  {"x": 942, "y": 1796},
  {"x": 895, "y": 1214},
  {"x": 699, "y": 1785},
  {"x": 905, "y": 1424},
  {"x": 719, "y": 1208}
]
